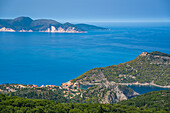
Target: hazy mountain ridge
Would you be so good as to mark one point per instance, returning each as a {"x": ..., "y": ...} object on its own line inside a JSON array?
[{"x": 26, "y": 24}]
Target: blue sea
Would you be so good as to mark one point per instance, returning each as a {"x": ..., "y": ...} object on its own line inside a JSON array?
[
  {"x": 146, "y": 89},
  {"x": 54, "y": 58}
]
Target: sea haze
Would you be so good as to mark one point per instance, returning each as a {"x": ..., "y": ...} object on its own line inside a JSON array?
[{"x": 54, "y": 58}]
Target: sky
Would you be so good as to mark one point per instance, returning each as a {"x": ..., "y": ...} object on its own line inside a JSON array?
[{"x": 88, "y": 10}]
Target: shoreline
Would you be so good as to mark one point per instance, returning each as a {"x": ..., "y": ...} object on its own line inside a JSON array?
[{"x": 144, "y": 84}]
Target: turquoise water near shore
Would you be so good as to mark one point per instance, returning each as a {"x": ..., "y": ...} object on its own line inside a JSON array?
[
  {"x": 145, "y": 89},
  {"x": 54, "y": 58}
]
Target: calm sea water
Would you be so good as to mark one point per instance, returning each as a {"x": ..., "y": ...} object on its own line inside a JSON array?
[
  {"x": 54, "y": 58},
  {"x": 146, "y": 89}
]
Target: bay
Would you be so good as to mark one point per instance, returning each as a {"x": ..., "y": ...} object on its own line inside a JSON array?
[{"x": 145, "y": 89}]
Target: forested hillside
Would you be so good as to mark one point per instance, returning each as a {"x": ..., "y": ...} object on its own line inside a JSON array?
[
  {"x": 22, "y": 105},
  {"x": 151, "y": 67},
  {"x": 156, "y": 99}
]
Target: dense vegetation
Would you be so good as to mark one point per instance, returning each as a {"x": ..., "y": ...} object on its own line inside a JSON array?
[
  {"x": 155, "y": 99},
  {"x": 154, "y": 67},
  {"x": 48, "y": 93},
  {"x": 21, "y": 105},
  {"x": 41, "y": 94}
]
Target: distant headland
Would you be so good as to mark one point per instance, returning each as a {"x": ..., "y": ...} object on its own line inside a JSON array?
[{"x": 26, "y": 24}]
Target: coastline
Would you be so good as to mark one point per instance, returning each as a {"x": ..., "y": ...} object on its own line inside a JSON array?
[
  {"x": 144, "y": 84},
  {"x": 38, "y": 32},
  {"x": 49, "y": 30}
]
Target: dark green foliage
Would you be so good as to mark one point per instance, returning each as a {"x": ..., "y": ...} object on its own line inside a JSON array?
[
  {"x": 43, "y": 24},
  {"x": 156, "y": 99},
  {"x": 17, "y": 23},
  {"x": 22, "y": 105},
  {"x": 140, "y": 68},
  {"x": 42, "y": 93},
  {"x": 159, "y": 53}
]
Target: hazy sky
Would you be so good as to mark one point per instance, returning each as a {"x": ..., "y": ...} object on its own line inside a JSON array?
[{"x": 88, "y": 10}]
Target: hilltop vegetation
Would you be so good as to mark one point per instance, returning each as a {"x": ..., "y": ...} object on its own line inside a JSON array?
[
  {"x": 34, "y": 92},
  {"x": 146, "y": 68},
  {"x": 22, "y": 105},
  {"x": 41, "y": 94},
  {"x": 105, "y": 93},
  {"x": 156, "y": 99}
]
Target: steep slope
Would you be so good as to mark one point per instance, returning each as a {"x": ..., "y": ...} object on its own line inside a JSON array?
[
  {"x": 44, "y": 24},
  {"x": 21, "y": 23},
  {"x": 87, "y": 27},
  {"x": 106, "y": 93},
  {"x": 67, "y": 25},
  {"x": 149, "y": 68},
  {"x": 155, "y": 99}
]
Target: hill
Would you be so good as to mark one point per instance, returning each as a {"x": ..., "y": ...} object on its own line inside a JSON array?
[
  {"x": 21, "y": 105},
  {"x": 26, "y": 24},
  {"x": 156, "y": 99},
  {"x": 103, "y": 93},
  {"x": 147, "y": 69}
]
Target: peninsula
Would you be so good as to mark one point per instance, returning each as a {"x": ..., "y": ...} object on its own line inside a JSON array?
[{"x": 147, "y": 69}]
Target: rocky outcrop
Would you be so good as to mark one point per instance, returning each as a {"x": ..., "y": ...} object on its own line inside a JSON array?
[
  {"x": 105, "y": 91},
  {"x": 109, "y": 92},
  {"x": 25, "y": 30},
  {"x": 110, "y": 83},
  {"x": 4, "y": 29}
]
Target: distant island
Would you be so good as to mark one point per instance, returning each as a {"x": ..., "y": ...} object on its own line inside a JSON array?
[{"x": 26, "y": 24}]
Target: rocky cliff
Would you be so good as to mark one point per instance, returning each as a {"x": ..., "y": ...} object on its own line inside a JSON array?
[
  {"x": 109, "y": 83},
  {"x": 107, "y": 93}
]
